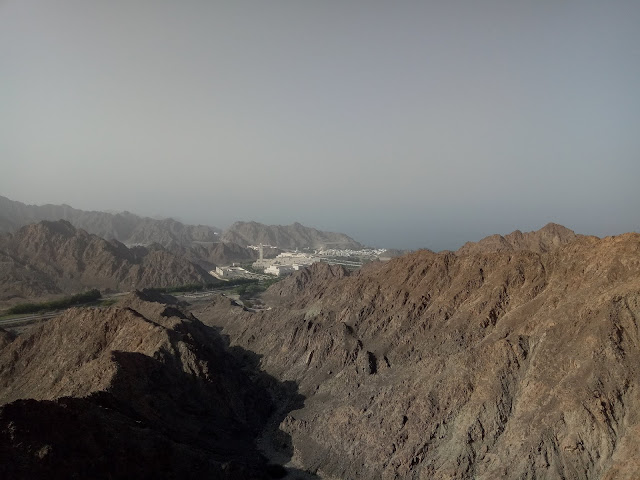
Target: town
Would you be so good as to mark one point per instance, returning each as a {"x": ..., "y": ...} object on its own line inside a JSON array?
[{"x": 290, "y": 261}]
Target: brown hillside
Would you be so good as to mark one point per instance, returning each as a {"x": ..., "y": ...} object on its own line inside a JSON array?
[
  {"x": 55, "y": 257},
  {"x": 114, "y": 393},
  {"x": 484, "y": 365}
]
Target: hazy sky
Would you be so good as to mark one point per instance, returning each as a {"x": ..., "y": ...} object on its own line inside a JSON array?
[{"x": 404, "y": 124}]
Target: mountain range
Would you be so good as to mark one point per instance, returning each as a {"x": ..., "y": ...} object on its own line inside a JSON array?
[
  {"x": 517, "y": 356},
  {"x": 295, "y": 236},
  {"x": 135, "y": 230},
  {"x": 51, "y": 258},
  {"x": 492, "y": 362},
  {"x": 124, "y": 227}
]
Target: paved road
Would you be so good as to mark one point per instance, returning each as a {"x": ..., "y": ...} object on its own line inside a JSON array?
[
  {"x": 36, "y": 317},
  {"x": 28, "y": 319},
  {"x": 31, "y": 318}
]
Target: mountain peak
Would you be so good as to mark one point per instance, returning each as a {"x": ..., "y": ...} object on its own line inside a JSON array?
[
  {"x": 543, "y": 240},
  {"x": 286, "y": 236}
]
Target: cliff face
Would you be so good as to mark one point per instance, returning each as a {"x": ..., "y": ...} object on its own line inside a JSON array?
[
  {"x": 286, "y": 236},
  {"x": 124, "y": 227},
  {"x": 117, "y": 393},
  {"x": 54, "y": 257},
  {"x": 508, "y": 363}
]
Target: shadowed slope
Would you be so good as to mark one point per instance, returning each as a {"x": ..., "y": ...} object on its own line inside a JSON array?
[{"x": 114, "y": 393}]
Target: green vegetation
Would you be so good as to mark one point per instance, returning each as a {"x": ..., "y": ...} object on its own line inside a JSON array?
[
  {"x": 198, "y": 287},
  {"x": 249, "y": 268},
  {"x": 107, "y": 302},
  {"x": 66, "y": 302},
  {"x": 245, "y": 287},
  {"x": 249, "y": 291}
]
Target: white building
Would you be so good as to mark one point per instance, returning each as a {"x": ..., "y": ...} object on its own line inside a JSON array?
[
  {"x": 230, "y": 272},
  {"x": 280, "y": 270}
]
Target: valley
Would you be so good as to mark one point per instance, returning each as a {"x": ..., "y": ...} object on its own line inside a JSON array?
[
  {"x": 319, "y": 240},
  {"x": 507, "y": 359}
]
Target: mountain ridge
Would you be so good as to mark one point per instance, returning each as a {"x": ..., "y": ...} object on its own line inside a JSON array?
[
  {"x": 547, "y": 238},
  {"x": 125, "y": 227},
  {"x": 496, "y": 364},
  {"x": 294, "y": 236}
]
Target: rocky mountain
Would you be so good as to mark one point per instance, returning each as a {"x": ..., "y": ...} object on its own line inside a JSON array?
[
  {"x": 139, "y": 391},
  {"x": 55, "y": 257},
  {"x": 124, "y": 227},
  {"x": 286, "y": 236},
  {"x": 517, "y": 362},
  {"x": 547, "y": 238}
]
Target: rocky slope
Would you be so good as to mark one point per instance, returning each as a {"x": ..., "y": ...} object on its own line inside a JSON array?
[
  {"x": 124, "y": 227},
  {"x": 286, "y": 236},
  {"x": 547, "y": 238},
  {"x": 54, "y": 257},
  {"x": 139, "y": 391},
  {"x": 496, "y": 363}
]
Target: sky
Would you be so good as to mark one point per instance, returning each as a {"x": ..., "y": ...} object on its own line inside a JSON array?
[{"x": 404, "y": 124}]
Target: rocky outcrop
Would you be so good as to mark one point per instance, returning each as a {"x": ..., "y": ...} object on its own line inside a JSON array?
[
  {"x": 115, "y": 393},
  {"x": 505, "y": 363},
  {"x": 286, "y": 236},
  {"x": 54, "y": 257},
  {"x": 124, "y": 227}
]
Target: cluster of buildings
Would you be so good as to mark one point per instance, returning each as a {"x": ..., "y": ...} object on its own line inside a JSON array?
[
  {"x": 370, "y": 253},
  {"x": 280, "y": 270},
  {"x": 285, "y": 263},
  {"x": 288, "y": 262},
  {"x": 227, "y": 273}
]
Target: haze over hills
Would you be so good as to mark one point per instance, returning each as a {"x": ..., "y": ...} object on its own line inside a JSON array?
[
  {"x": 135, "y": 230},
  {"x": 287, "y": 236},
  {"x": 124, "y": 227},
  {"x": 505, "y": 363},
  {"x": 517, "y": 357},
  {"x": 404, "y": 124},
  {"x": 55, "y": 257}
]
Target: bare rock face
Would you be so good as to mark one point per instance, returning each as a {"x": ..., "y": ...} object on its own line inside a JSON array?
[
  {"x": 317, "y": 273},
  {"x": 115, "y": 393},
  {"x": 124, "y": 227},
  {"x": 286, "y": 236},
  {"x": 55, "y": 257},
  {"x": 515, "y": 362}
]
